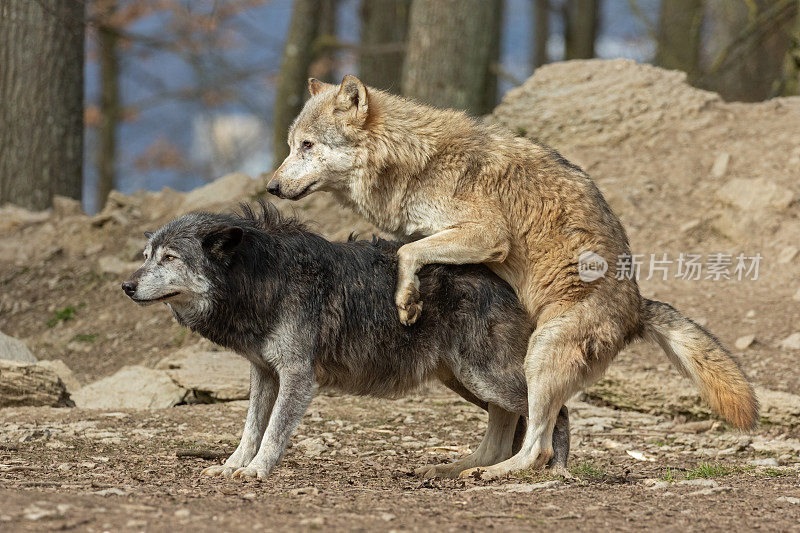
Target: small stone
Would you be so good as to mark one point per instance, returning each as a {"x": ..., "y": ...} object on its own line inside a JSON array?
[
  {"x": 720, "y": 165},
  {"x": 135, "y": 523},
  {"x": 311, "y": 491},
  {"x": 182, "y": 513},
  {"x": 316, "y": 521},
  {"x": 744, "y": 342},
  {"x": 64, "y": 467},
  {"x": 110, "y": 491},
  {"x": 796, "y": 296},
  {"x": 750, "y": 314},
  {"x": 314, "y": 446},
  {"x": 710, "y": 491},
  {"x": 787, "y": 255},
  {"x": 387, "y": 517},
  {"x": 766, "y": 461},
  {"x": 708, "y": 483},
  {"x": 792, "y": 342},
  {"x": 789, "y": 499},
  {"x": 689, "y": 226},
  {"x": 249, "y": 495}
]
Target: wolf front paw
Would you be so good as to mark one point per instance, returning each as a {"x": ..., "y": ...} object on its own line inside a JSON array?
[
  {"x": 251, "y": 472},
  {"x": 409, "y": 306},
  {"x": 218, "y": 471}
]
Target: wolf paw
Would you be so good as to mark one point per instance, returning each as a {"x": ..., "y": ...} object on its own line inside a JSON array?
[
  {"x": 249, "y": 472},
  {"x": 214, "y": 471},
  {"x": 410, "y": 313}
]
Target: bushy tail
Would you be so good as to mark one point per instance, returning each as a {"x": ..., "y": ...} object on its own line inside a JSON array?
[{"x": 700, "y": 357}]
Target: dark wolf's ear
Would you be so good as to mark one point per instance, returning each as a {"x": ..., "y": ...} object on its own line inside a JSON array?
[
  {"x": 220, "y": 242},
  {"x": 352, "y": 100},
  {"x": 315, "y": 86},
  {"x": 148, "y": 234}
]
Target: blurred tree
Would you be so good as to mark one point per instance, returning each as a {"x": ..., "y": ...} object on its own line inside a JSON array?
[
  {"x": 748, "y": 47},
  {"x": 324, "y": 67},
  {"x": 298, "y": 54},
  {"x": 41, "y": 101},
  {"x": 110, "y": 107},
  {"x": 581, "y": 19},
  {"x": 384, "y": 27},
  {"x": 541, "y": 32},
  {"x": 452, "y": 46},
  {"x": 679, "y": 35}
]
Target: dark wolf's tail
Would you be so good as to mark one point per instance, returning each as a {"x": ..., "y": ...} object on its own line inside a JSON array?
[{"x": 700, "y": 357}]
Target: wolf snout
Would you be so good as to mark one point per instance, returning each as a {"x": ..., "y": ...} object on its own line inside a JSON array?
[
  {"x": 129, "y": 287},
  {"x": 274, "y": 188}
]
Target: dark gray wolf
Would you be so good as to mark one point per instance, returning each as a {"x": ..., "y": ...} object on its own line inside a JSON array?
[
  {"x": 305, "y": 311},
  {"x": 465, "y": 191}
]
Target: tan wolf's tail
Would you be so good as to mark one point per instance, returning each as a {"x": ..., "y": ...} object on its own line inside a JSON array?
[{"x": 700, "y": 357}]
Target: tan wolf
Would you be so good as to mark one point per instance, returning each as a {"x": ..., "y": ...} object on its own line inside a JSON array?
[{"x": 463, "y": 191}]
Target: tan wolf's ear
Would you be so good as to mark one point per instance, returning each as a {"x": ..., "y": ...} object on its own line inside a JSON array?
[
  {"x": 315, "y": 86},
  {"x": 352, "y": 100}
]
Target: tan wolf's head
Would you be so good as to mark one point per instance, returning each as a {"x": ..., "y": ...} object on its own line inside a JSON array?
[{"x": 324, "y": 140}]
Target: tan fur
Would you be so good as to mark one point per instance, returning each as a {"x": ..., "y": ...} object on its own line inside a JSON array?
[{"x": 466, "y": 192}]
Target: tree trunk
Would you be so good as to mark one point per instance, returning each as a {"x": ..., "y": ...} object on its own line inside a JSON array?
[
  {"x": 384, "y": 28},
  {"x": 541, "y": 32},
  {"x": 110, "y": 111},
  {"x": 324, "y": 44},
  {"x": 749, "y": 42},
  {"x": 41, "y": 101},
  {"x": 580, "y": 28},
  {"x": 450, "y": 53},
  {"x": 679, "y": 33},
  {"x": 293, "y": 80}
]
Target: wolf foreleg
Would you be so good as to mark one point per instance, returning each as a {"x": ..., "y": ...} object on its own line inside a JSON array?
[
  {"x": 468, "y": 242},
  {"x": 295, "y": 390},
  {"x": 263, "y": 391}
]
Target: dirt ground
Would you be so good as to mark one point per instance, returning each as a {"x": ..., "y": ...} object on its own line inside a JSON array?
[
  {"x": 106, "y": 471},
  {"x": 666, "y": 156}
]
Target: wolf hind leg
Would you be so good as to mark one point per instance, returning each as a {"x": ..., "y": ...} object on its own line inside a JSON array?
[
  {"x": 495, "y": 446},
  {"x": 556, "y": 366}
]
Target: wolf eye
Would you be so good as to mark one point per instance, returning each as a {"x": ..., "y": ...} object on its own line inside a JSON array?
[
  {"x": 169, "y": 257},
  {"x": 307, "y": 144}
]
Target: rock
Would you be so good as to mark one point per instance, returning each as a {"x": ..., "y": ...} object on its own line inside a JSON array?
[
  {"x": 13, "y": 349},
  {"x": 792, "y": 342},
  {"x": 210, "y": 376},
  {"x": 744, "y": 342},
  {"x": 796, "y": 296},
  {"x": 64, "y": 206},
  {"x": 750, "y": 314},
  {"x": 110, "y": 264},
  {"x": 132, "y": 387},
  {"x": 63, "y": 372},
  {"x": 13, "y": 218},
  {"x": 787, "y": 255},
  {"x": 313, "y": 446},
  {"x": 766, "y": 461},
  {"x": 638, "y": 391},
  {"x": 700, "y": 426},
  {"x": 720, "y": 165},
  {"x": 789, "y": 499},
  {"x": 710, "y": 483},
  {"x": 220, "y": 194},
  {"x": 312, "y": 491},
  {"x": 29, "y": 384},
  {"x": 738, "y": 192}
]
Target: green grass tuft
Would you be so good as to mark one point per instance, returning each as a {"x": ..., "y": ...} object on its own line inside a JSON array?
[
  {"x": 708, "y": 471},
  {"x": 588, "y": 470}
]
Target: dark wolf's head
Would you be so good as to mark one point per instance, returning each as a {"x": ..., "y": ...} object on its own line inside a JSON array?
[
  {"x": 324, "y": 140},
  {"x": 181, "y": 258}
]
